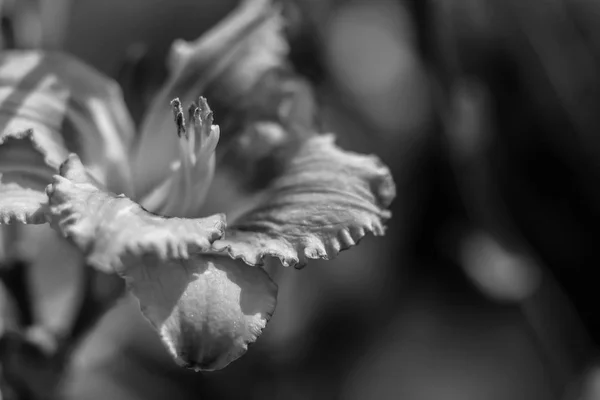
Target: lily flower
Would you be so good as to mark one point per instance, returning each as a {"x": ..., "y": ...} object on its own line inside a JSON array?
[{"x": 131, "y": 203}]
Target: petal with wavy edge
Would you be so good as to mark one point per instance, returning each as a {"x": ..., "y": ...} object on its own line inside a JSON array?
[
  {"x": 25, "y": 171},
  {"x": 69, "y": 105},
  {"x": 109, "y": 228},
  {"x": 222, "y": 65},
  {"x": 207, "y": 309},
  {"x": 326, "y": 200}
]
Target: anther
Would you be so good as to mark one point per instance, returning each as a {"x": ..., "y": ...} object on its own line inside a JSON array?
[
  {"x": 179, "y": 118},
  {"x": 192, "y": 110},
  {"x": 205, "y": 117},
  {"x": 206, "y": 114}
]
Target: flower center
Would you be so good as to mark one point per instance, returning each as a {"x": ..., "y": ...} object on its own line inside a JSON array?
[{"x": 184, "y": 191}]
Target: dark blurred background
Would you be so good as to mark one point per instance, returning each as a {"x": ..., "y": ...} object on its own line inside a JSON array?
[{"x": 487, "y": 113}]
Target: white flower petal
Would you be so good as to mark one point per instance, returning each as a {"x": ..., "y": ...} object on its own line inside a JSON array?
[
  {"x": 110, "y": 229},
  {"x": 325, "y": 201},
  {"x": 207, "y": 309},
  {"x": 26, "y": 168},
  {"x": 71, "y": 108}
]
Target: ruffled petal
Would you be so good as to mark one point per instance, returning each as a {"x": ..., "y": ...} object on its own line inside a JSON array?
[
  {"x": 69, "y": 106},
  {"x": 26, "y": 168},
  {"x": 223, "y": 65},
  {"x": 109, "y": 228},
  {"x": 207, "y": 309},
  {"x": 326, "y": 201}
]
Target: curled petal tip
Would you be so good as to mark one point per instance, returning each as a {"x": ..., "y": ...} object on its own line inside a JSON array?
[{"x": 27, "y": 164}]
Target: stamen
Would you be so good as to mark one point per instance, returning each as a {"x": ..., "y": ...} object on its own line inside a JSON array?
[
  {"x": 206, "y": 118},
  {"x": 186, "y": 158},
  {"x": 194, "y": 129},
  {"x": 192, "y": 172},
  {"x": 192, "y": 111},
  {"x": 179, "y": 118}
]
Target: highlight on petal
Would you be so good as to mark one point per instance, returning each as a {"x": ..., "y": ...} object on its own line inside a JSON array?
[
  {"x": 326, "y": 200},
  {"x": 26, "y": 168},
  {"x": 69, "y": 105},
  {"x": 207, "y": 309},
  {"x": 183, "y": 192},
  {"x": 223, "y": 65}
]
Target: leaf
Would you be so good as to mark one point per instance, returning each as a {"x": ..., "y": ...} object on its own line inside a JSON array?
[{"x": 326, "y": 200}]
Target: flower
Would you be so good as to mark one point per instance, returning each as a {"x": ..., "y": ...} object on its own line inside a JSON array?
[{"x": 69, "y": 156}]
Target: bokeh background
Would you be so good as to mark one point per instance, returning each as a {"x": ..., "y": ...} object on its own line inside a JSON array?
[{"x": 488, "y": 114}]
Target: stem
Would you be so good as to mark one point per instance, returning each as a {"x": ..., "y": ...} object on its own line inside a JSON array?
[
  {"x": 14, "y": 276},
  {"x": 99, "y": 293}
]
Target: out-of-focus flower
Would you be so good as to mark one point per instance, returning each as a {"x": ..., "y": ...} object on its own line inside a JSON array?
[{"x": 199, "y": 282}]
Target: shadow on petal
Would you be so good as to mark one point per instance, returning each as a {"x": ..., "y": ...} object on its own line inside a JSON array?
[{"x": 207, "y": 309}]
